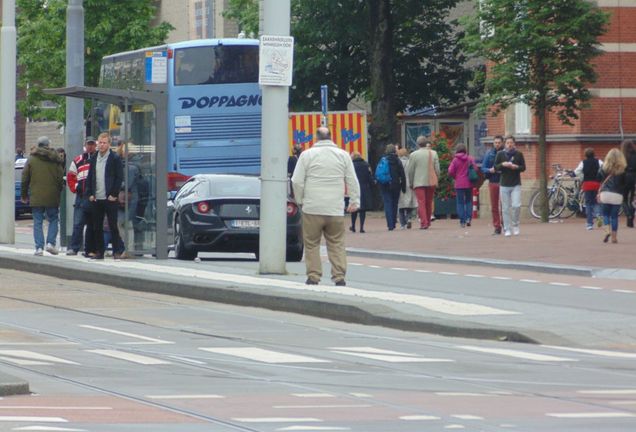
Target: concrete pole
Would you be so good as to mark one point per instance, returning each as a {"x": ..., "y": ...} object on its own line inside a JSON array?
[
  {"x": 74, "y": 129},
  {"x": 7, "y": 122},
  {"x": 274, "y": 153}
]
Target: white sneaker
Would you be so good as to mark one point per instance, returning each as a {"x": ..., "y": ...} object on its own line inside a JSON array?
[
  {"x": 515, "y": 231},
  {"x": 38, "y": 252},
  {"x": 507, "y": 233},
  {"x": 51, "y": 249}
]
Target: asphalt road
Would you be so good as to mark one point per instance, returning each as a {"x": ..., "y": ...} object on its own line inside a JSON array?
[{"x": 103, "y": 359}]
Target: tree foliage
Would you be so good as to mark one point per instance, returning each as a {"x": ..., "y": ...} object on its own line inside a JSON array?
[
  {"x": 335, "y": 42},
  {"x": 110, "y": 26},
  {"x": 540, "y": 52}
]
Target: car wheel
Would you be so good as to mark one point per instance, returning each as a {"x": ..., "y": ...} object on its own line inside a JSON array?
[
  {"x": 181, "y": 252},
  {"x": 295, "y": 253}
]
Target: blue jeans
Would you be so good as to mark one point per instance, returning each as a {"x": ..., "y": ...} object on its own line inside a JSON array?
[
  {"x": 52, "y": 215},
  {"x": 390, "y": 197},
  {"x": 464, "y": 202},
  {"x": 81, "y": 219},
  {"x": 592, "y": 208},
  {"x": 610, "y": 215}
]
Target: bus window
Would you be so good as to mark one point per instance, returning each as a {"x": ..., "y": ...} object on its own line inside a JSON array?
[{"x": 224, "y": 64}]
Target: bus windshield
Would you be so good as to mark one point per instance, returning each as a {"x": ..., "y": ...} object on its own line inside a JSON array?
[{"x": 219, "y": 64}]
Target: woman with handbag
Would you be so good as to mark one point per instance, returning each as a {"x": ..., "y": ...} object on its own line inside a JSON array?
[
  {"x": 459, "y": 169},
  {"x": 611, "y": 191}
]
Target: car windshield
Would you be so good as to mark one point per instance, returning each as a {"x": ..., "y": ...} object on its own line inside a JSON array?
[{"x": 237, "y": 187}]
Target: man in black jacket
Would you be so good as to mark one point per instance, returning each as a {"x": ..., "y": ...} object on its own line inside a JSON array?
[{"x": 104, "y": 183}]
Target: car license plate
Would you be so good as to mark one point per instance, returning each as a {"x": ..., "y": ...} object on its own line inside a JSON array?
[{"x": 245, "y": 224}]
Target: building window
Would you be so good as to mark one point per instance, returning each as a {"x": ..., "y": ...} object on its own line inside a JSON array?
[{"x": 523, "y": 118}]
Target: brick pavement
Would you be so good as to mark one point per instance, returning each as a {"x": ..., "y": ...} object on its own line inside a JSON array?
[{"x": 564, "y": 242}]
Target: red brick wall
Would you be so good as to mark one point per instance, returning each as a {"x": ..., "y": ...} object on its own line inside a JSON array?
[{"x": 622, "y": 26}]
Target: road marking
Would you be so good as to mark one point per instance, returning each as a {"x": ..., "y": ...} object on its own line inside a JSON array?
[
  {"x": 355, "y": 264},
  {"x": 399, "y": 268},
  {"x": 591, "y": 287},
  {"x": 454, "y": 426},
  {"x": 131, "y": 335},
  {"x": 604, "y": 353},
  {"x": 529, "y": 280},
  {"x": 517, "y": 354},
  {"x": 463, "y": 394},
  {"x": 134, "y": 358},
  {"x": 30, "y": 355},
  {"x": 423, "y": 271},
  {"x": 386, "y": 355},
  {"x": 33, "y": 419},
  {"x": 265, "y": 356},
  {"x": 190, "y": 396},
  {"x": 501, "y": 278},
  {"x": 623, "y": 402},
  {"x": 419, "y": 417},
  {"x": 72, "y": 408},
  {"x": 609, "y": 392},
  {"x": 187, "y": 360},
  {"x": 24, "y": 362},
  {"x": 47, "y": 428},
  {"x": 361, "y": 395},
  {"x": 466, "y": 417},
  {"x": 276, "y": 419},
  {"x": 475, "y": 275},
  {"x": 448, "y": 273},
  {"x": 375, "y": 266},
  {"x": 590, "y": 415},
  {"x": 313, "y": 395},
  {"x": 560, "y": 284},
  {"x": 313, "y": 428},
  {"x": 321, "y": 406},
  {"x": 624, "y": 291}
]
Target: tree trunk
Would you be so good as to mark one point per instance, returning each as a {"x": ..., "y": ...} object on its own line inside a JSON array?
[{"x": 382, "y": 127}]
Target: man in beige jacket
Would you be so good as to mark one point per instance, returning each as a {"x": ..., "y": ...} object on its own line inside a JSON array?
[
  {"x": 423, "y": 172},
  {"x": 319, "y": 180}
]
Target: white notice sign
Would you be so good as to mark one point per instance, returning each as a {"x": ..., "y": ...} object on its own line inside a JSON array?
[{"x": 276, "y": 61}]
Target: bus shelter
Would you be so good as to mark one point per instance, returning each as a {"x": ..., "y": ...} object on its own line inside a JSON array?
[{"x": 145, "y": 208}]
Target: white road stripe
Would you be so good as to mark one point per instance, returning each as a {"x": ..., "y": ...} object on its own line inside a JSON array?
[
  {"x": 463, "y": 394},
  {"x": 517, "y": 354},
  {"x": 591, "y": 287},
  {"x": 313, "y": 395},
  {"x": 466, "y": 417},
  {"x": 501, "y": 278},
  {"x": 313, "y": 428},
  {"x": 361, "y": 395},
  {"x": 560, "y": 284},
  {"x": 590, "y": 415},
  {"x": 131, "y": 335},
  {"x": 321, "y": 406},
  {"x": 385, "y": 355},
  {"x": 624, "y": 291},
  {"x": 623, "y": 402},
  {"x": 603, "y": 353},
  {"x": 24, "y": 362},
  {"x": 448, "y": 273},
  {"x": 475, "y": 275},
  {"x": 374, "y": 266},
  {"x": 454, "y": 426},
  {"x": 418, "y": 417},
  {"x": 529, "y": 280},
  {"x": 399, "y": 268},
  {"x": 187, "y": 360},
  {"x": 30, "y": 355},
  {"x": 185, "y": 396},
  {"x": 609, "y": 392},
  {"x": 61, "y": 408},
  {"x": 423, "y": 271},
  {"x": 265, "y": 356},
  {"x": 47, "y": 428},
  {"x": 276, "y": 419},
  {"x": 33, "y": 419},
  {"x": 134, "y": 358}
]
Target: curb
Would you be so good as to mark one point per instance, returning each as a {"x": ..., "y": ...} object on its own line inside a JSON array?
[
  {"x": 12, "y": 386},
  {"x": 311, "y": 304}
]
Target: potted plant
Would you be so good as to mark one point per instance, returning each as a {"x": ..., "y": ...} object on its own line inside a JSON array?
[{"x": 445, "y": 205}]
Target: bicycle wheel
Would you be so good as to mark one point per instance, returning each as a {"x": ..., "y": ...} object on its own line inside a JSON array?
[
  {"x": 582, "y": 208},
  {"x": 557, "y": 200},
  {"x": 571, "y": 204}
]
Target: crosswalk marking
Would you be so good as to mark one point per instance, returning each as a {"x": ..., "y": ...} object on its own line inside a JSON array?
[
  {"x": 48, "y": 428},
  {"x": 589, "y": 415},
  {"x": 131, "y": 335},
  {"x": 466, "y": 417},
  {"x": 134, "y": 358},
  {"x": 265, "y": 356},
  {"x": 313, "y": 395},
  {"x": 602, "y": 353},
  {"x": 517, "y": 354},
  {"x": 26, "y": 356},
  {"x": 276, "y": 419},
  {"x": 609, "y": 392},
  {"x": 313, "y": 428},
  {"x": 33, "y": 419},
  {"x": 385, "y": 355},
  {"x": 419, "y": 417}
]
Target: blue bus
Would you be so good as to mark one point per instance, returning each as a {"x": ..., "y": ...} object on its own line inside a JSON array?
[{"x": 214, "y": 104}]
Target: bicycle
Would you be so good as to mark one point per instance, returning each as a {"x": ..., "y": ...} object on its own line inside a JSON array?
[{"x": 564, "y": 200}]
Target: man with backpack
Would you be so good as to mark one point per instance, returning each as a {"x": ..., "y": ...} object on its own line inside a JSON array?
[
  {"x": 423, "y": 172},
  {"x": 389, "y": 173}
]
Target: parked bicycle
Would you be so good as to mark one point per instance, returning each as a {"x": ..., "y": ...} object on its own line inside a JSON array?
[{"x": 564, "y": 195}]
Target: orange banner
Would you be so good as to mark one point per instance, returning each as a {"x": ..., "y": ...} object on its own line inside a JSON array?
[{"x": 348, "y": 130}]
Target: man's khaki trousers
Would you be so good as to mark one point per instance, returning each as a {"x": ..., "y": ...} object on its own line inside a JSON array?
[{"x": 333, "y": 228}]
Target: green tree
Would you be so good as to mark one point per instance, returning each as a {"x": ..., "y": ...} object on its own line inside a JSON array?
[
  {"x": 540, "y": 53},
  {"x": 398, "y": 55},
  {"x": 110, "y": 26}
]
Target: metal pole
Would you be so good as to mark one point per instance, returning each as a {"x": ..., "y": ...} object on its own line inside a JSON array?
[
  {"x": 74, "y": 129},
  {"x": 7, "y": 122},
  {"x": 273, "y": 228}
]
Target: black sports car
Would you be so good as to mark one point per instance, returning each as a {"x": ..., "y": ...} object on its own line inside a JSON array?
[{"x": 220, "y": 213}]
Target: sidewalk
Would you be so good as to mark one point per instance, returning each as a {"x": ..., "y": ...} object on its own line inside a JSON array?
[{"x": 562, "y": 246}]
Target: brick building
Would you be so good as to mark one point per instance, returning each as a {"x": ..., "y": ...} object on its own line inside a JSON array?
[{"x": 611, "y": 116}]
